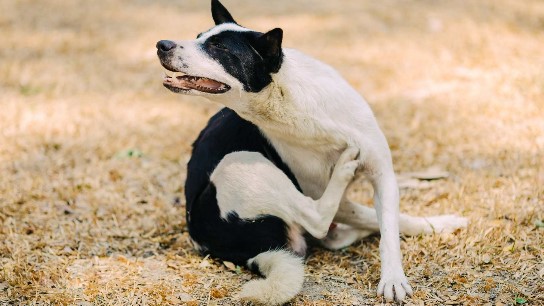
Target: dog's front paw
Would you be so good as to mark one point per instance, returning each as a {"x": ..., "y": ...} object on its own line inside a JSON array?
[
  {"x": 446, "y": 223},
  {"x": 394, "y": 288},
  {"x": 347, "y": 164}
]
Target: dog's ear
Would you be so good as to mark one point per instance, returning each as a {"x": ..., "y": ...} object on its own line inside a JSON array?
[
  {"x": 220, "y": 14},
  {"x": 268, "y": 45}
]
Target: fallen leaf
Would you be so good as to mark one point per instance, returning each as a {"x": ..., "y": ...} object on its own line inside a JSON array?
[
  {"x": 185, "y": 297},
  {"x": 433, "y": 173},
  {"x": 218, "y": 293},
  {"x": 173, "y": 299},
  {"x": 509, "y": 248},
  {"x": 229, "y": 265},
  {"x": 204, "y": 263},
  {"x": 420, "y": 179},
  {"x": 520, "y": 300},
  {"x": 411, "y": 183}
]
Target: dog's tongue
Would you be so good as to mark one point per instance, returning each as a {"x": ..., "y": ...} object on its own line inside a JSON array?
[
  {"x": 208, "y": 83},
  {"x": 198, "y": 83}
]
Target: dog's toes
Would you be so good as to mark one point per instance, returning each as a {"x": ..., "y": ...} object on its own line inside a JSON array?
[
  {"x": 446, "y": 223},
  {"x": 351, "y": 166},
  {"x": 400, "y": 292},
  {"x": 347, "y": 170},
  {"x": 347, "y": 164},
  {"x": 408, "y": 288},
  {"x": 394, "y": 289},
  {"x": 349, "y": 154}
]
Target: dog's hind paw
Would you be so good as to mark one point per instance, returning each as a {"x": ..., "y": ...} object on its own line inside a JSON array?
[
  {"x": 347, "y": 164},
  {"x": 445, "y": 223}
]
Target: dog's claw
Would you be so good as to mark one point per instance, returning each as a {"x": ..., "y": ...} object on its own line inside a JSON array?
[
  {"x": 408, "y": 288},
  {"x": 394, "y": 289}
]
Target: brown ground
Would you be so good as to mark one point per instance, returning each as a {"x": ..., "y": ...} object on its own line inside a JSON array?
[{"x": 457, "y": 85}]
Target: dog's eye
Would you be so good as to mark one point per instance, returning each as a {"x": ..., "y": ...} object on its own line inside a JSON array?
[{"x": 218, "y": 45}]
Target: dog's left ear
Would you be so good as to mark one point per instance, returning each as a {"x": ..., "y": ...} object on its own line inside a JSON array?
[
  {"x": 220, "y": 14},
  {"x": 268, "y": 45}
]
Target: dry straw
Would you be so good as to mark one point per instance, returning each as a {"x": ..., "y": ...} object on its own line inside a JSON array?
[{"x": 93, "y": 149}]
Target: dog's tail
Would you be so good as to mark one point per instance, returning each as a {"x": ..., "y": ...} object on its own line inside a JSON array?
[{"x": 284, "y": 275}]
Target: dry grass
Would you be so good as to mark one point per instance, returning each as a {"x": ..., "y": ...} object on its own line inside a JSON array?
[{"x": 454, "y": 84}]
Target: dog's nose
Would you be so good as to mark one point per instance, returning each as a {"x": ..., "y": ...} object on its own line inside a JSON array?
[{"x": 165, "y": 45}]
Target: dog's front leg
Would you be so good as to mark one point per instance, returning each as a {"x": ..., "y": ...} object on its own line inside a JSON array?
[
  {"x": 378, "y": 167},
  {"x": 393, "y": 283}
]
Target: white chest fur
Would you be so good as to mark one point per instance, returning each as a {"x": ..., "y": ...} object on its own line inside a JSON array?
[{"x": 312, "y": 166}]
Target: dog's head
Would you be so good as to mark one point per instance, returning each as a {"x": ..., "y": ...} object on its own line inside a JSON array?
[{"x": 226, "y": 61}]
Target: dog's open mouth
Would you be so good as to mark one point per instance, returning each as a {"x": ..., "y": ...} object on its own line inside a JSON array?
[{"x": 179, "y": 82}]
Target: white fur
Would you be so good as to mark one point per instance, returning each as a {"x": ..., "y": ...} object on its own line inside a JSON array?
[
  {"x": 284, "y": 274},
  {"x": 221, "y": 28},
  {"x": 310, "y": 114}
]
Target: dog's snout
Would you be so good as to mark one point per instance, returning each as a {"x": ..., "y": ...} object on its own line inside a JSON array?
[{"x": 165, "y": 45}]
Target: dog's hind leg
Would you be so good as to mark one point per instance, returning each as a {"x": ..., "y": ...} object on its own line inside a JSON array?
[
  {"x": 356, "y": 221},
  {"x": 364, "y": 218},
  {"x": 249, "y": 185}
]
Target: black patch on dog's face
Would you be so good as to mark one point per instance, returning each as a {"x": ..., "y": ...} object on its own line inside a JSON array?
[{"x": 250, "y": 57}]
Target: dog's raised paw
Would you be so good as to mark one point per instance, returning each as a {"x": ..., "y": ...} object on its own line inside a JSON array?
[
  {"x": 347, "y": 163},
  {"x": 350, "y": 153}
]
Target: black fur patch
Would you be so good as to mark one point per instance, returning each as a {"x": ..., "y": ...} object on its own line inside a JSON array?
[
  {"x": 254, "y": 267},
  {"x": 237, "y": 54},
  {"x": 234, "y": 239}
]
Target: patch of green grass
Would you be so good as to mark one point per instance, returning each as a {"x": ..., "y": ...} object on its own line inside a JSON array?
[
  {"x": 30, "y": 90},
  {"x": 129, "y": 153},
  {"x": 520, "y": 301}
]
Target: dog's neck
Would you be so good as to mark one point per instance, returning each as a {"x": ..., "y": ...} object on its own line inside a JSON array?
[
  {"x": 293, "y": 107},
  {"x": 276, "y": 111}
]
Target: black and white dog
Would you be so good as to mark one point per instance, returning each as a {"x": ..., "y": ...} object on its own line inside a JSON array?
[{"x": 274, "y": 164}]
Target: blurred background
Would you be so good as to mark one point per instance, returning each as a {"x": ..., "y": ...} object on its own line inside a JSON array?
[{"x": 93, "y": 148}]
